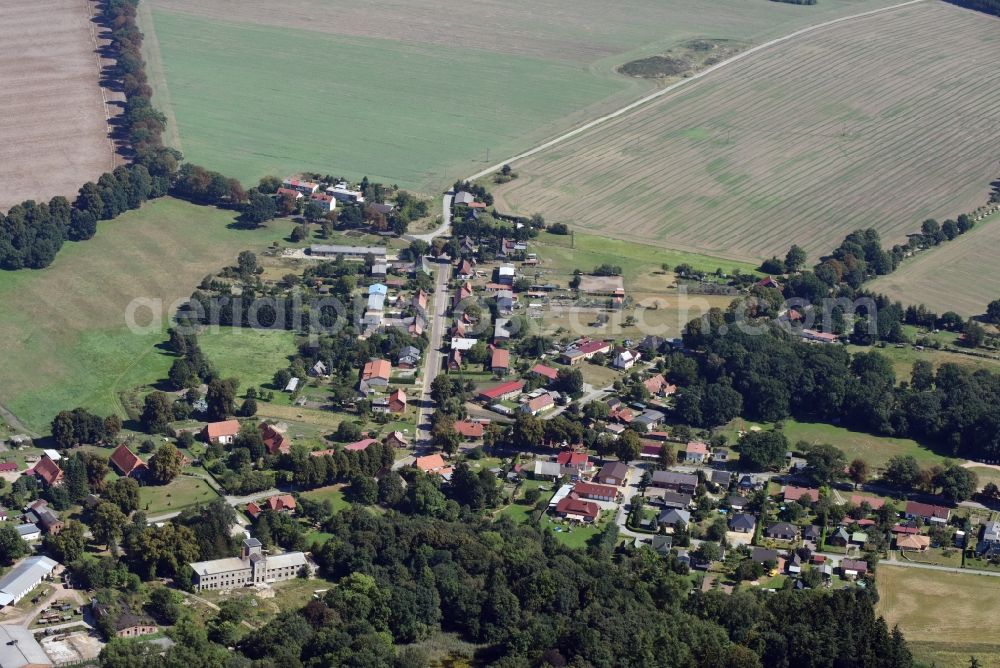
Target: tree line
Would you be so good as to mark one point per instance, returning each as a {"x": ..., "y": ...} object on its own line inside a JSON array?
[{"x": 778, "y": 377}]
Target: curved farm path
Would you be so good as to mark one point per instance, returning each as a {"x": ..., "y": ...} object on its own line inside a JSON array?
[{"x": 684, "y": 82}]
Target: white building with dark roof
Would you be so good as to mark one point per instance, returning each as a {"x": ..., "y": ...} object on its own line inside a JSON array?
[{"x": 252, "y": 567}]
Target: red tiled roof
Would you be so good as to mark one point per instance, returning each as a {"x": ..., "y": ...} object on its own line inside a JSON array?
[
  {"x": 429, "y": 463},
  {"x": 899, "y": 528},
  {"x": 274, "y": 440},
  {"x": 376, "y": 369},
  {"x": 48, "y": 471},
  {"x": 546, "y": 371},
  {"x": 927, "y": 510},
  {"x": 219, "y": 429},
  {"x": 540, "y": 402},
  {"x": 698, "y": 448},
  {"x": 570, "y": 458},
  {"x": 397, "y": 401},
  {"x": 358, "y": 446},
  {"x": 502, "y": 389},
  {"x": 574, "y": 506},
  {"x": 500, "y": 359},
  {"x": 126, "y": 461},
  {"x": 793, "y": 493},
  {"x": 469, "y": 429},
  {"x": 590, "y": 489}
]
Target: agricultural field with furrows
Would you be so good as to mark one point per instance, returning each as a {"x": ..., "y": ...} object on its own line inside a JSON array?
[
  {"x": 54, "y": 129},
  {"x": 877, "y": 122},
  {"x": 414, "y": 93},
  {"x": 960, "y": 275},
  {"x": 64, "y": 336}
]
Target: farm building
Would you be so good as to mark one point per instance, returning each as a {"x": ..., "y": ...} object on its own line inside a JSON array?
[
  {"x": 588, "y": 490},
  {"x": 20, "y": 649},
  {"x": 928, "y": 512},
  {"x": 221, "y": 433},
  {"x": 613, "y": 473},
  {"x": 23, "y": 577},
  {"x": 48, "y": 471},
  {"x": 584, "y": 349},
  {"x": 539, "y": 404},
  {"x": 348, "y": 252},
  {"x": 304, "y": 187},
  {"x": 343, "y": 193},
  {"x": 127, "y": 462},
  {"x": 502, "y": 392},
  {"x": 274, "y": 440}
]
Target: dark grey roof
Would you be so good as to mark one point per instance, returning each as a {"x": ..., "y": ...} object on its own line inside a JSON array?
[
  {"x": 742, "y": 521},
  {"x": 763, "y": 554},
  {"x": 781, "y": 529},
  {"x": 674, "y": 478}
]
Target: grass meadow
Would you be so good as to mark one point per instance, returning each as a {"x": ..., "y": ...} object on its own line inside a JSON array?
[
  {"x": 946, "y": 617},
  {"x": 415, "y": 93},
  {"x": 251, "y": 355},
  {"x": 959, "y": 275},
  {"x": 64, "y": 332},
  {"x": 784, "y": 146}
]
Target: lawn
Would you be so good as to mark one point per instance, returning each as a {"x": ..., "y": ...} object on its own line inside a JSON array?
[
  {"x": 577, "y": 535},
  {"x": 63, "y": 330},
  {"x": 986, "y": 475},
  {"x": 945, "y": 616},
  {"x": 251, "y": 355},
  {"x": 876, "y": 450},
  {"x": 417, "y": 93},
  {"x": 183, "y": 492},
  {"x": 959, "y": 275},
  {"x": 332, "y": 493},
  {"x": 936, "y": 556},
  {"x": 903, "y": 358},
  {"x": 780, "y": 147}
]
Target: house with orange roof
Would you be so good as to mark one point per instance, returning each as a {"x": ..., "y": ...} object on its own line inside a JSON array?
[
  {"x": 806, "y": 495},
  {"x": 222, "y": 433},
  {"x": 500, "y": 361},
  {"x": 275, "y": 441},
  {"x": 48, "y": 472},
  {"x": 127, "y": 462},
  {"x": 696, "y": 452},
  {"x": 394, "y": 403},
  {"x": 434, "y": 464},
  {"x": 544, "y": 371},
  {"x": 375, "y": 375},
  {"x": 470, "y": 431},
  {"x": 283, "y": 503}
]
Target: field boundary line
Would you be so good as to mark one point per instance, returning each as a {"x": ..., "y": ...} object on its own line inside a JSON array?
[
  {"x": 91, "y": 18},
  {"x": 674, "y": 86}
]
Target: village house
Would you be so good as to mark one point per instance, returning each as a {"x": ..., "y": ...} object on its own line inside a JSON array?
[
  {"x": 505, "y": 301},
  {"x": 696, "y": 452},
  {"x": 127, "y": 463},
  {"x": 455, "y": 360},
  {"x": 674, "y": 518},
  {"x": 912, "y": 543},
  {"x": 852, "y": 568},
  {"x": 782, "y": 531},
  {"x": 812, "y": 533},
  {"x": 652, "y": 345},
  {"x": 573, "y": 508},
  {"x": 394, "y": 403},
  {"x": 594, "y": 492},
  {"x": 613, "y": 473},
  {"x": 464, "y": 271},
  {"x": 409, "y": 357},
  {"x": 804, "y": 495},
  {"x": 328, "y": 202},
  {"x": 502, "y": 392},
  {"x": 301, "y": 186},
  {"x": 763, "y": 555},
  {"x": 48, "y": 472},
  {"x": 343, "y": 193},
  {"x": 657, "y": 386},
  {"x": 500, "y": 361},
  {"x": 577, "y": 462},
  {"x": 544, "y": 371},
  {"x": 927, "y": 512},
  {"x": 318, "y": 369},
  {"x": 677, "y": 482},
  {"x": 668, "y": 499},
  {"x": 625, "y": 360},
  {"x": 840, "y": 537},
  {"x": 584, "y": 349},
  {"x": 649, "y": 420},
  {"x": 506, "y": 274},
  {"x": 720, "y": 478},
  {"x": 360, "y": 446},
  {"x": 470, "y": 430},
  {"x": 29, "y": 531},
  {"x": 737, "y": 502},
  {"x": 274, "y": 440},
  {"x": 375, "y": 376},
  {"x": 283, "y": 503},
  {"x": 220, "y": 433},
  {"x": 434, "y": 464},
  {"x": 501, "y": 331},
  {"x": 538, "y": 405},
  {"x": 742, "y": 523}
]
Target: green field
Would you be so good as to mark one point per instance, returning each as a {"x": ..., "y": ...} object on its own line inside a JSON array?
[
  {"x": 251, "y": 355},
  {"x": 946, "y": 617},
  {"x": 414, "y": 93},
  {"x": 876, "y": 450},
  {"x": 63, "y": 331},
  {"x": 332, "y": 493},
  {"x": 903, "y": 358},
  {"x": 183, "y": 492}
]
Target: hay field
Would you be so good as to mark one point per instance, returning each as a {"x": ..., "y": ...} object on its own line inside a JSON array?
[
  {"x": 882, "y": 121},
  {"x": 414, "y": 93},
  {"x": 54, "y": 134},
  {"x": 63, "y": 331},
  {"x": 960, "y": 275},
  {"x": 944, "y": 616}
]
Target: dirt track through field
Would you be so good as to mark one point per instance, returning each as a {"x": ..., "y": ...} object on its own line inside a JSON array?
[
  {"x": 54, "y": 115},
  {"x": 880, "y": 121}
]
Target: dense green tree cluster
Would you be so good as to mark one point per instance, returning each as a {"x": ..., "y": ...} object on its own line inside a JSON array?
[
  {"x": 79, "y": 426},
  {"x": 308, "y": 471},
  {"x": 780, "y": 378}
]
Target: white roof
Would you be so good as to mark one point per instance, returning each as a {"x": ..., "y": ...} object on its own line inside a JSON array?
[
  {"x": 18, "y": 647},
  {"x": 293, "y": 384},
  {"x": 25, "y": 575},
  {"x": 560, "y": 495},
  {"x": 458, "y": 343},
  {"x": 216, "y": 566},
  {"x": 506, "y": 270},
  {"x": 286, "y": 559},
  {"x": 548, "y": 468},
  {"x": 53, "y": 455}
]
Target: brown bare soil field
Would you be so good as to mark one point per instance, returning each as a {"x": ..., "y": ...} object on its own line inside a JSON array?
[
  {"x": 882, "y": 121},
  {"x": 582, "y": 31},
  {"x": 53, "y": 115},
  {"x": 960, "y": 275}
]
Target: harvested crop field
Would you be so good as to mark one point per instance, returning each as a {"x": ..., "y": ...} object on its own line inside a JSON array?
[
  {"x": 54, "y": 134},
  {"x": 414, "y": 93},
  {"x": 880, "y": 121},
  {"x": 959, "y": 275},
  {"x": 947, "y": 616}
]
